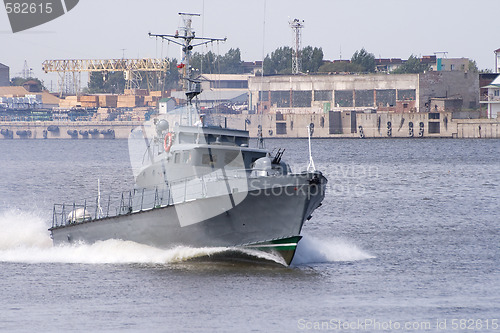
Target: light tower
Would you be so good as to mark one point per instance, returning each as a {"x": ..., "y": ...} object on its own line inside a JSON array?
[{"x": 296, "y": 26}]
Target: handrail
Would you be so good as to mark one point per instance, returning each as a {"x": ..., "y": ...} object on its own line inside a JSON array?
[{"x": 145, "y": 198}]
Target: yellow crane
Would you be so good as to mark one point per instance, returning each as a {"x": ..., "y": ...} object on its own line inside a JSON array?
[{"x": 134, "y": 70}]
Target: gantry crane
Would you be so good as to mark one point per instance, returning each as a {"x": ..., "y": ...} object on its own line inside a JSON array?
[{"x": 132, "y": 69}]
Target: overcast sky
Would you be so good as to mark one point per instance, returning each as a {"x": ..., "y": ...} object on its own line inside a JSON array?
[{"x": 97, "y": 29}]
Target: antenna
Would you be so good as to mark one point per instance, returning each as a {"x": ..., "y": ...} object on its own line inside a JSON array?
[
  {"x": 186, "y": 34},
  {"x": 444, "y": 53},
  {"x": 99, "y": 208},
  {"x": 26, "y": 73},
  {"x": 296, "y": 26},
  {"x": 310, "y": 167}
]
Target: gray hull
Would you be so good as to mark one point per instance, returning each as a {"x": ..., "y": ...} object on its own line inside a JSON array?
[{"x": 263, "y": 215}]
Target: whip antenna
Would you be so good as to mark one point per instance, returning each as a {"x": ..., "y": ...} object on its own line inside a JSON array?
[{"x": 311, "y": 166}]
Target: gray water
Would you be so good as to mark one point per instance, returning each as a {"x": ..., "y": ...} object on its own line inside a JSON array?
[{"x": 407, "y": 239}]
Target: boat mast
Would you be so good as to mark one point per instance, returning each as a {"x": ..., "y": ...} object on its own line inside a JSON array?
[{"x": 191, "y": 85}]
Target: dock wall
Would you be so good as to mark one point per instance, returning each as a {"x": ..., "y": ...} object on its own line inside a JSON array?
[
  {"x": 332, "y": 124},
  {"x": 67, "y": 130}
]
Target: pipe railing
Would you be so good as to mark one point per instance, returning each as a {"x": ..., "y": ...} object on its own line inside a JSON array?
[{"x": 142, "y": 199}]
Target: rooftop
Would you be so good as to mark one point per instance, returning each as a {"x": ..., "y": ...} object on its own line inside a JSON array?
[
  {"x": 13, "y": 91},
  {"x": 226, "y": 77}
]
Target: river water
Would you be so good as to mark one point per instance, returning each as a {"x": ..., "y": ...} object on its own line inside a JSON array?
[{"x": 407, "y": 239}]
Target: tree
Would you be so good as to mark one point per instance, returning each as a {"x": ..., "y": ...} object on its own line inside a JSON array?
[
  {"x": 172, "y": 76},
  {"x": 205, "y": 63},
  {"x": 279, "y": 62},
  {"x": 365, "y": 60},
  {"x": 230, "y": 63},
  {"x": 411, "y": 66},
  {"x": 473, "y": 66},
  {"x": 341, "y": 67},
  {"x": 110, "y": 82},
  {"x": 19, "y": 81},
  {"x": 312, "y": 59},
  {"x": 209, "y": 63}
]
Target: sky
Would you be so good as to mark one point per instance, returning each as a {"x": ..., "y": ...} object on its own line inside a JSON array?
[{"x": 102, "y": 29}]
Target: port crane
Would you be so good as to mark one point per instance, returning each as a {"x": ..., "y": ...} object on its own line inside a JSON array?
[{"x": 134, "y": 70}]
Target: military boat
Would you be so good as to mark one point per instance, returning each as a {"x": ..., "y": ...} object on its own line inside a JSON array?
[{"x": 199, "y": 185}]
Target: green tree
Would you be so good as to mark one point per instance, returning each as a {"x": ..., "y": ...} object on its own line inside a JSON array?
[
  {"x": 19, "y": 81},
  {"x": 279, "y": 62},
  {"x": 205, "y": 63},
  {"x": 411, "y": 66},
  {"x": 312, "y": 59},
  {"x": 341, "y": 67},
  {"x": 473, "y": 66},
  {"x": 231, "y": 62},
  {"x": 106, "y": 82},
  {"x": 365, "y": 60},
  {"x": 172, "y": 76},
  {"x": 209, "y": 63}
]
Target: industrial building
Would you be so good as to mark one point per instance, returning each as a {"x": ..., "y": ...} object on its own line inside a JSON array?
[
  {"x": 4, "y": 75},
  {"x": 378, "y": 92},
  {"x": 497, "y": 60},
  {"x": 492, "y": 99}
]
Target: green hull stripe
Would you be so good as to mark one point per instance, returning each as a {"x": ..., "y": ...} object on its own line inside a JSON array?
[{"x": 287, "y": 246}]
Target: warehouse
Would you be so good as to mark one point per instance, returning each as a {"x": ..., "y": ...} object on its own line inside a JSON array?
[{"x": 342, "y": 92}]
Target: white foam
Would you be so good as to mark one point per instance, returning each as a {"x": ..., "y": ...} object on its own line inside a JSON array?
[
  {"x": 315, "y": 250},
  {"x": 23, "y": 229}
]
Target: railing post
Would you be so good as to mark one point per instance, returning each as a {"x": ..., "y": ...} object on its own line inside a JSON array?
[
  {"x": 156, "y": 196},
  {"x": 84, "y": 209},
  {"x": 109, "y": 199},
  {"x": 185, "y": 190},
  {"x": 63, "y": 218},
  {"x": 169, "y": 194},
  {"x": 122, "y": 204},
  {"x": 96, "y": 207},
  {"x": 142, "y": 198}
]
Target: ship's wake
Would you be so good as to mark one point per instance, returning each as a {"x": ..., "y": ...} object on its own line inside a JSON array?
[
  {"x": 24, "y": 238},
  {"x": 314, "y": 250}
]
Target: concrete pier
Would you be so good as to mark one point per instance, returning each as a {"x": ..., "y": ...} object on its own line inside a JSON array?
[
  {"x": 332, "y": 124},
  {"x": 67, "y": 130}
]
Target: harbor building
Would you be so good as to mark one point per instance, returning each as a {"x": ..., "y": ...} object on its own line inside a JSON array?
[
  {"x": 492, "y": 99},
  {"x": 497, "y": 61},
  {"x": 451, "y": 64},
  {"x": 4, "y": 75},
  {"x": 377, "y": 92}
]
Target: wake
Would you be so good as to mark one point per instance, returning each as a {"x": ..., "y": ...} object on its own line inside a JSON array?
[
  {"x": 24, "y": 238},
  {"x": 315, "y": 250}
]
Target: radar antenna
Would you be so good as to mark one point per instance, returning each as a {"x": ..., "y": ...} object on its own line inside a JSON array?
[{"x": 188, "y": 38}]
